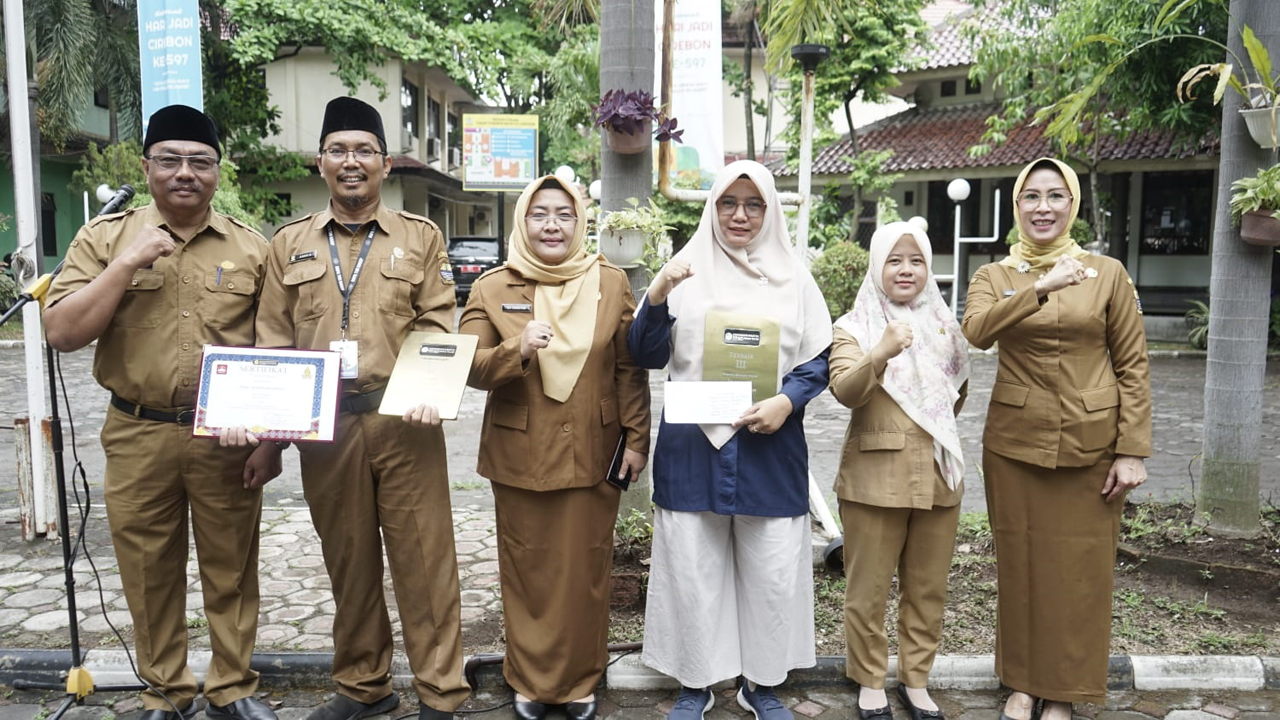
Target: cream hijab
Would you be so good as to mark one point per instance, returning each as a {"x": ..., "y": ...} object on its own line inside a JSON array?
[
  {"x": 1041, "y": 257},
  {"x": 763, "y": 278},
  {"x": 556, "y": 297},
  {"x": 925, "y": 379}
]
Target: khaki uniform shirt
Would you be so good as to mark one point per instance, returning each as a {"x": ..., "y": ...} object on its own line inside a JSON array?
[
  {"x": 887, "y": 460},
  {"x": 406, "y": 284},
  {"x": 204, "y": 293},
  {"x": 529, "y": 440},
  {"x": 1073, "y": 385}
]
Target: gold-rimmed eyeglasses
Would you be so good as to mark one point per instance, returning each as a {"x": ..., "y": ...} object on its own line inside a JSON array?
[{"x": 1056, "y": 199}]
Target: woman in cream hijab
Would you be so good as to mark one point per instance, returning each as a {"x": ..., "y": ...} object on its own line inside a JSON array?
[
  {"x": 730, "y": 584},
  {"x": 1067, "y": 430},
  {"x": 901, "y": 365},
  {"x": 564, "y": 398}
]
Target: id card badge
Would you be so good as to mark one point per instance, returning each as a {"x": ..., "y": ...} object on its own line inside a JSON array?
[{"x": 350, "y": 369}]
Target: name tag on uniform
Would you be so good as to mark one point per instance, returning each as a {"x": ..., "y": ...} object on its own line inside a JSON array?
[
  {"x": 349, "y": 368},
  {"x": 1010, "y": 293},
  {"x": 517, "y": 307},
  {"x": 309, "y": 255}
]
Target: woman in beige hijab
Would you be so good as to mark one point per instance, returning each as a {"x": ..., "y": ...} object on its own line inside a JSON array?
[
  {"x": 1067, "y": 430},
  {"x": 564, "y": 398}
]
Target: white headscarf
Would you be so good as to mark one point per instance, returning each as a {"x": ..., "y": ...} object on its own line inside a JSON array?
[
  {"x": 764, "y": 278},
  {"x": 925, "y": 379}
]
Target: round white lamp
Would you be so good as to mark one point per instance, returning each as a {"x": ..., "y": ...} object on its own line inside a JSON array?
[
  {"x": 594, "y": 190},
  {"x": 958, "y": 190},
  {"x": 920, "y": 223},
  {"x": 104, "y": 193},
  {"x": 566, "y": 175}
]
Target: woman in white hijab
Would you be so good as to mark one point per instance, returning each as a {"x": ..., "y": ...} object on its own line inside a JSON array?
[
  {"x": 900, "y": 362},
  {"x": 731, "y": 585}
]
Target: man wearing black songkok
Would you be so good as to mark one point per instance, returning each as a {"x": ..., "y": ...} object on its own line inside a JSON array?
[
  {"x": 153, "y": 285},
  {"x": 384, "y": 479}
]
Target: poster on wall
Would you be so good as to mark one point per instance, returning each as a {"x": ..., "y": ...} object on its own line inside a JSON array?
[
  {"x": 499, "y": 152},
  {"x": 696, "y": 75},
  {"x": 169, "y": 55}
]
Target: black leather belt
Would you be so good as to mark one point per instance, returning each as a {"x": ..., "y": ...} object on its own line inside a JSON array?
[
  {"x": 182, "y": 417},
  {"x": 362, "y": 403}
]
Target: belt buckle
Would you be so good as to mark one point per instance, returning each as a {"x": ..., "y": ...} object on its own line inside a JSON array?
[{"x": 186, "y": 417}]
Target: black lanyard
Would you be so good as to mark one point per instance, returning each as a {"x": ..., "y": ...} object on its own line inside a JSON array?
[{"x": 347, "y": 288}]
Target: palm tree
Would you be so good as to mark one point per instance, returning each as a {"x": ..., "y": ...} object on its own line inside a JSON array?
[
  {"x": 1239, "y": 290},
  {"x": 83, "y": 46}
]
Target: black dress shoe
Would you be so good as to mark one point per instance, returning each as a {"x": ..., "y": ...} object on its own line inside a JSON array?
[
  {"x": 187, "y": 713},
  {"x": 426, "y": 712},
  {"x": 341, "y": 707},
  {"x": 915, "y": 712},
  {"x": 530, "y": 709},
  {"x": 880, "y": 713},
  {"x": 581, "y": 710},
  {"x": 246, "y": 708}
]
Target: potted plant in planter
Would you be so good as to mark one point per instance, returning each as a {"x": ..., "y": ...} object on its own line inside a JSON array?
[
  {"x": 1259, "y": 88},
  {"x": 1255, "y": 204},
  {"x": 624, "y": 234},
  {"x": 629, "y": 120}
]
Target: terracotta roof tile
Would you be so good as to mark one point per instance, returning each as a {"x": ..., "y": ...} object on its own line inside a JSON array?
[{"x": 940, "y": 138}]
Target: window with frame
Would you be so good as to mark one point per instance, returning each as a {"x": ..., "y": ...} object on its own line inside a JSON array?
[
  {"x": 1177, "y": 212},
  {"x": 410, "y": 106},
  {"x": 433, "y": 118}
]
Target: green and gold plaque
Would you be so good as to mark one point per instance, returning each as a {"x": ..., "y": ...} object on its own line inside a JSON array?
[{"x": 742, "y": 347}]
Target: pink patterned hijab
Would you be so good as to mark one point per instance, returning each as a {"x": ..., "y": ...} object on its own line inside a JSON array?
[{"x": 925, "y": 379}]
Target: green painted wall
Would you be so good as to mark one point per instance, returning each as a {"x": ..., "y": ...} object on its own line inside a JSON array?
[{"x": 69, "y": 207}]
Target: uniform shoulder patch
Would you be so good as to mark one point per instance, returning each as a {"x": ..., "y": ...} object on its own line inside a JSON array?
[
  {"x": 113, "y": 216},
  {"x": 246, "y": 226},
  {"x": 446, "y": 270}
]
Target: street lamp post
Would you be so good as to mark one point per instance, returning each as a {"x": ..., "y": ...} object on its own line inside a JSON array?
[{"x": 958, "y": 190}]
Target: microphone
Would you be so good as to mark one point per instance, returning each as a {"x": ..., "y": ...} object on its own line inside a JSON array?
[{"x": 119, "y": 200}]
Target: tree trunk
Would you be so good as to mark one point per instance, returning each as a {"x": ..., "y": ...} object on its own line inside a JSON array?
[
  {"x": 626, "y": 29},
  {"x": 113, "y": 122},
  {"x": 1239, "y": 289}
]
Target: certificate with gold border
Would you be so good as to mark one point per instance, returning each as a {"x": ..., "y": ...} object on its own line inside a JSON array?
[{"x": 275, "y": 394}]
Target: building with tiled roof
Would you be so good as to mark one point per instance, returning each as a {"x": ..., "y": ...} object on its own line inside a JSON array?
[{"x": 1157, "y": 192}]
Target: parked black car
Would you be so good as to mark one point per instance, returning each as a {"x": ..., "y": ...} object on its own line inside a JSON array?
[{"x": 471, "y": 255}]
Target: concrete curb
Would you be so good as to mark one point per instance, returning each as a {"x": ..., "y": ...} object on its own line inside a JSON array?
[{"x": 627, "y": 672}]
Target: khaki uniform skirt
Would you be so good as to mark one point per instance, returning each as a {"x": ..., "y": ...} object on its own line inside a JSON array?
[
  {"x": 555, "y": 553},
  {"x": 1055, "y": 539}
]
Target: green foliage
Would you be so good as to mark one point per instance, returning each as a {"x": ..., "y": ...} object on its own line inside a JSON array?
[
  {"x": 830, "y": 221},
  {"x": 1080, "y": 232},
  {"x": 82, "y": 46},
  {"x": 869, "y": 42},
  {"x": 357, "y": 35},
  {"x": 839, "y": 272},
  {"x": 1197, "y": 319},
  {"x": 633, "y": 529},
  {"x": 9, "y": 291},
  {"x": 572, "y": 78},
  {"x": 1256, "y": 192},
  {"x": 975, "y": 527},
  {"x": 790, "y": 22},
  {"x": 1077, "y": 77}
]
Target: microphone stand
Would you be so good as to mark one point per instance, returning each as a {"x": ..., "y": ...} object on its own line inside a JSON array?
[{"x": 79, "y": 682}]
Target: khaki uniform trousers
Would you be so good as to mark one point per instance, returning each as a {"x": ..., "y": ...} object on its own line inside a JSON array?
[
  {"x": 155, "y": 472},
  {"x": 1055, "y": 540},
  {"x": 918, "y": 544},
  {"x": 386, "y": 480},
  {"x": 555, "y": 553}
]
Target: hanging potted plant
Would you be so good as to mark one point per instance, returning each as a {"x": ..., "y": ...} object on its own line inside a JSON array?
[
  {"x": 624, "y": 234},
  {"x": 1259, "y": 89},
  {"x": 630, "y": 120},
  {"x": 1255, "y": 204}
]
